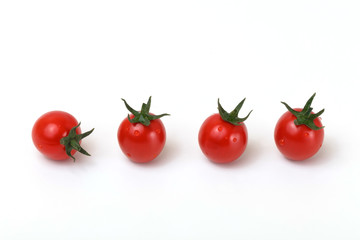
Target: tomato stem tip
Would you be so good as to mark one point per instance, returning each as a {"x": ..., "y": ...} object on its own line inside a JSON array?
[
  {"x": 232, "y": 117},
  {"x": 72, "y": 141},
  {"x": 144, "y": 117},
  {"x": 305, "y": 117}
]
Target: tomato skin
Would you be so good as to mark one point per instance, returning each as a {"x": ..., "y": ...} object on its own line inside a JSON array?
[
  {"x": 297, "y": 142},
  {"x": 49, "y": 129},
  {"x": 221, "y": 141},
  {"x": 141, "y": 143}
]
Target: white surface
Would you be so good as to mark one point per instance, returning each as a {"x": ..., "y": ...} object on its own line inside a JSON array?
[{"x": 83, "y": 56}]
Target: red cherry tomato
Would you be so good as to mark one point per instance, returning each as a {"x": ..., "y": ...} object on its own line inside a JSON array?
[
  {"x": 299, "y": 133},
  {"x": 141, "y": 135},
  {"x": 223, "y": 136},
  {"x": 50, "y": 129},
  {"x": 297, "y": 142},
  {"x": 221, "y": 141},
  {"x": 141, "y": 143}
]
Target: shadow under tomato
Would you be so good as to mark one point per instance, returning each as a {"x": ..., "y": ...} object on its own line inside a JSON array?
[{"x": 80, "y": 161}]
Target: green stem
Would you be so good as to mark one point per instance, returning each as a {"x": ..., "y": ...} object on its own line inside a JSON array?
[
  {"x": 232, "y": 117},
  {"x": 72, "y": 141},
  {"x": 144, "y": 117},
  {"x": 305, "y": 117}
]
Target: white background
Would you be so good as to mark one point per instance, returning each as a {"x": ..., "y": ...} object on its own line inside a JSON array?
[{"x": 84, "y": 56}]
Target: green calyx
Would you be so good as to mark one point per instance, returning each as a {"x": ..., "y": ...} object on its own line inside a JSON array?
[
  {"x": 232, "y": 117},
  {"x": 72, "y": 141},
  {"x": 144, "y": 117},
  {"x": 305, "y": 117}
]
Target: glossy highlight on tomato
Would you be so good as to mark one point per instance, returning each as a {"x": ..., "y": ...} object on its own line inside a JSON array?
[
  {"x": 223, "y": 136},
  {"x": 57, "y": 135}
]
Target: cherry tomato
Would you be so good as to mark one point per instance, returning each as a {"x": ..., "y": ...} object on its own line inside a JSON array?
[
  {"x": 141, "y": 143},
  {"x": 142, "y": 135},
  {"x": 57, "y": 135},
  {"x": 299, "y": 133},
  {"x": 223, "y": 136}
]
